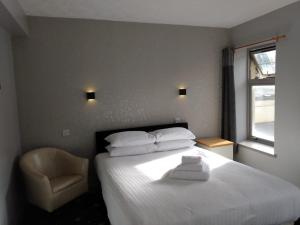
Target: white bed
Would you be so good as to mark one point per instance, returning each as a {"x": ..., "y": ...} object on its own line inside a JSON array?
[{"x": 137, "y": 191}]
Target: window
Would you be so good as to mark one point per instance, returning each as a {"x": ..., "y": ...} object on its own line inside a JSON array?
[{"x": 261, "y": 86}]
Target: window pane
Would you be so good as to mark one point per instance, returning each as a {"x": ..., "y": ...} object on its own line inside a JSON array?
[
  {"x": 263, "y": 112},
  {"x": 266, "y": 62},
  {"x": 262, "y": 64}
]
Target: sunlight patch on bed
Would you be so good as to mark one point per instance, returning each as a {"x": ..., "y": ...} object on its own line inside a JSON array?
[
  {"x": 217, "y": 162},
  {"x": 158, "y": 168}
]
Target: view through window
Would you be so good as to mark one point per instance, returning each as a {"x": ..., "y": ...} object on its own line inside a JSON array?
[{"x": 262, "y": 72}]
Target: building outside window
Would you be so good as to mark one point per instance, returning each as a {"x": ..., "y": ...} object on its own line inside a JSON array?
[{"x": 261, "y": 88}]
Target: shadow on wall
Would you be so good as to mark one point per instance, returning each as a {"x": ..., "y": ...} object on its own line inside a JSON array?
[{"x": 15, "y": 196}]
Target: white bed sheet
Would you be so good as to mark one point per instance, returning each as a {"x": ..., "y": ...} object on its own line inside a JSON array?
[{"x": 137, "y": 191}]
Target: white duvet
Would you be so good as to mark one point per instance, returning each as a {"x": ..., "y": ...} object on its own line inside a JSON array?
[{"x": 138, "y": 192}]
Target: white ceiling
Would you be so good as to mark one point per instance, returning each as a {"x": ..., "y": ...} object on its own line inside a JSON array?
[{"x": 210, "y": 13}]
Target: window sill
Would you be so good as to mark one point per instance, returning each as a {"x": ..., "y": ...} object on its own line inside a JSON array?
[{"x": 266, "y": 149}]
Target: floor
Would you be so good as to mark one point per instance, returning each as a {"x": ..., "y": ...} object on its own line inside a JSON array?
[{"x": 88, "y": 209}]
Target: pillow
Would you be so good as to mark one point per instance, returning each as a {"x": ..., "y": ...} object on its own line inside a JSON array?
[
  {"x": 170, "y": 134},
  {"x": 130, "y": 138},
  {"x": 131, "y": 150},
  {"x": 174, "y": 145}
]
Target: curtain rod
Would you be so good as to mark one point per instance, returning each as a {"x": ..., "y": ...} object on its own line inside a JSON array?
[{"x": 275, "y": 38}]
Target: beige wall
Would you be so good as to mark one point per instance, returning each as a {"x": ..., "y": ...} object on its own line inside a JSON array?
[
  {"x": 12, "y": 17},
  {"x": 287, "y": 112},
  {"x": 134, "y": 68},
  {"x": 9, "y": 135}
]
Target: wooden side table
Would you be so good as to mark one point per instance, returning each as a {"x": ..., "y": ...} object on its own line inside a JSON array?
[{"x": 217, "y": 145}]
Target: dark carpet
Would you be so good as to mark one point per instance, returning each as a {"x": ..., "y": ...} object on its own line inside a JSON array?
[{"x": 89, "y": 209}]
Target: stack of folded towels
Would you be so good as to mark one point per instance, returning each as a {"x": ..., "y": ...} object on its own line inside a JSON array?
[{"x": 191, "y": 168}]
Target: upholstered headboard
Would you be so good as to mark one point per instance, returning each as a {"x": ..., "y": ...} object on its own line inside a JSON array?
[{"x": 100, "y": 135}]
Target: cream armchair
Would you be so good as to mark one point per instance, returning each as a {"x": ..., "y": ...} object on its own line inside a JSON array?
[{"x": 53, "y": 177}]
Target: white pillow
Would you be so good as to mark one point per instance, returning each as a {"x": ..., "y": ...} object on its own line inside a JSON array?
[
  {"x": 132, "y": 150},
  {"x": 170, "y": 134},
  {"x": 130, "y": 138},
  {"x": 173, "y": 145}
]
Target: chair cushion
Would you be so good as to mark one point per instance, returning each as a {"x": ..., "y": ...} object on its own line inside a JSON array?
[{"x": 62, "y": 182}]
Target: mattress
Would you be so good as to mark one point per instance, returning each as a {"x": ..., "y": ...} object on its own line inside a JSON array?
[{"x": 138, "y": 191}]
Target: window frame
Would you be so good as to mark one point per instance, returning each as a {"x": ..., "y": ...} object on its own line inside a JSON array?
[{"x": 255, "y": 82}]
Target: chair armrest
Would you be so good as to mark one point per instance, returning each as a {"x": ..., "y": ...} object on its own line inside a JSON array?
[
  {"x": 37, "y": 184},
  {"x": 74, "y": 164},
  {"x": 83, "y": 166}
]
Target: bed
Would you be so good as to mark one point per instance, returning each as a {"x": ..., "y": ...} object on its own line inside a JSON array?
[{"x": 137, "y": 190}]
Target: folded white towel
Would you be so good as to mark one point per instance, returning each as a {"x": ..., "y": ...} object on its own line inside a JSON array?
[
  {"x": 190, "y": 175},
  {"x": 190, "y": 167},
  {"x": 202, "y": 175},
  {"x": 190, "y": 159}
]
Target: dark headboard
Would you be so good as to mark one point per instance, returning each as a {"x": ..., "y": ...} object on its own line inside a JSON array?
[{"x": 100, "y": 135}]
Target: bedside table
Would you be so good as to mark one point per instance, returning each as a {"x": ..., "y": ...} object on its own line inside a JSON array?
[{"x": 217, "y": 145}]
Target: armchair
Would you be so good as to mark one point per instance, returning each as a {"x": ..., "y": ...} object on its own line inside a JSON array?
[{"x": 53, "y": 177}]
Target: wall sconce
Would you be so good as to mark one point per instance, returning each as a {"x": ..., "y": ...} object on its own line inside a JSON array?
[
  {"x": 182, "y": 92},
  {"x": 90, "y": 96}
]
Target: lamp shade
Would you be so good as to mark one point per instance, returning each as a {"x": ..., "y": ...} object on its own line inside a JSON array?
[
  {"x": 90, "y": 95},
  {"x": 182, "y": 91}
]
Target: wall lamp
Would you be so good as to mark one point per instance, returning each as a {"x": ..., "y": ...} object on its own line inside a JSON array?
[
  {"x": 182, "y": 92},
  {"x": 90, "y": 96}
]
